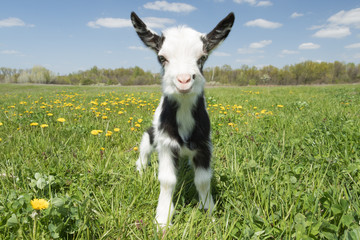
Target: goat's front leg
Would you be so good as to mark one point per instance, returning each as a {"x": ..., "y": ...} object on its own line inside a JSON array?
[
  {"x": 167, "y": 178},
  {"x": 202, "y": 183},
  {"x": 146, "y": 148}
]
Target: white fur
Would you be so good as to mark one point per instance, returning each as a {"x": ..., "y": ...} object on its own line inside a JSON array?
[
  {"x": 145, "y": 151},
  {"x": 202, "y": 183},
  {"x": 182, "y": 48}
]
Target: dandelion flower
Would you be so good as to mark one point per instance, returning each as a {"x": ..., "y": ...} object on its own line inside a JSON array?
[
  {"x": 0, "y": 139},
  {"x": 280, "y": 106},
  {"x": 94, "y": 132},
  {"x": 136, "y": 148},
  {"x": 50, "y": 114},
  {"x": 44, "y": 125},
  {"x": 140, "y": 120},
  {"x": 1, "y": 124},
  {"x": 61, "y": 120},
  {"x": 109, "y": 133},
  {"x": 120, "y": 112},
  {"x": 34, "y": 124},
  {"x": 116, "y": 129},
  {"x": 104, "y": 117},
  {"x": 39, "y": 204}
]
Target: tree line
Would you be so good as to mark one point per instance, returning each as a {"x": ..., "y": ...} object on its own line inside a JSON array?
[{"x": 303, "y": 73}]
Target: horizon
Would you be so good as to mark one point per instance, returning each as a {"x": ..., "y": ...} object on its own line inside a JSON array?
[{"x": 67, "y": 37}]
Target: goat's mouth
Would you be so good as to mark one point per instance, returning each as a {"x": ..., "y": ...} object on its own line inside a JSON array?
[{"x": 184, "y": 89}]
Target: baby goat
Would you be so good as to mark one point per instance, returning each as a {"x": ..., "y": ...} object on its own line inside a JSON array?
[{"x": 181, "y": 125}]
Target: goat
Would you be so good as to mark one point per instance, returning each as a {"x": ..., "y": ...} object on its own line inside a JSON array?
[{"x": 181, "y": 125}]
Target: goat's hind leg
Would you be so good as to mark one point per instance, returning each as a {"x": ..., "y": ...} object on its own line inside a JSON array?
[{"x": 146, "y": 148}]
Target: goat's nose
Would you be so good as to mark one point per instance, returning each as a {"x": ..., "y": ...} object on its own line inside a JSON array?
[{"x": 183, "y": 78}]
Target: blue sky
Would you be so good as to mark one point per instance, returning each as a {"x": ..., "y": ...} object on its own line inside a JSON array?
[{"x": 71, "y": 35}]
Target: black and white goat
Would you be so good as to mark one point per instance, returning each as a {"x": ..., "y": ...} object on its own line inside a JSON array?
[{"x": 181, "y": 125}]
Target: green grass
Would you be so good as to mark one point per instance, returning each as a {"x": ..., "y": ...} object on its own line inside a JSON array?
[{"x": 286, "y": 164}]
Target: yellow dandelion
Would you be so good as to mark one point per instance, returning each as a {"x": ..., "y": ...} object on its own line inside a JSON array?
[
  {"x": 280, "y": 106},
  {"x": 50, "y": 114},
  {"x": 140, "y": 120},
  {"x": 137, "y": 125},
  {"x": 34, "y": 124},
  {"x": 116, "y": 129},
  {"x": 120, "y": 112},
  {"x": 94, "y": 132},
  {"x": 132, "y": 129},
  {"x": 104, "y": 117},
  {"x": 1, "y": 124},
  {"x": 0, "y": 139},
  {"x": 44, "y": 125},
  {"x": 61, "y": 120},
  {"x": 135, "y": 148},
  {"x": 39, "y": 204},
  {"x": 231, "y": 124},
  {"x": 109, "y": 133}
]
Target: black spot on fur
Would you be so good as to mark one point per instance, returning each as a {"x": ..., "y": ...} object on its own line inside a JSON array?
[
  {"x": 150, "y": 131},
  {"x": 168, "y": 119}
]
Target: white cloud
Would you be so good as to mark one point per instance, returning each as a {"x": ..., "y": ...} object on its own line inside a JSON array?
[
  {"x": 255, "y": 3},
  {"x": 151, "y": 22},
  {"x": 154, "y": 22},
  {"x": 10, "y": 52},
  {"x": 263, "y": 24},
  {"x": 221, "y": 54},
  {"x": 308, "y": 46},
  {"x": 254, "y": 47},
  {"x": 351, "y": 17},
  {"x": 14, "y": 22},
  {"x": 139, "y": 48},
  {"x": 289, "y": 52},
  {"x": 315, "y": 27},
  {"x": 264, "y": 4},
  {"x": 333, "y": 32},
  {"x": 354, "y": 45},
  {"x": 247, "y": 50},
  {"x": 110, "y": 23},
  {"x": 339, "y": 24},
  {"x": 169, "y": 7},
  {"x": 260, "y": 44},
  {"x": 251, "y": 2},
  {"x": 296, "y": 15}
]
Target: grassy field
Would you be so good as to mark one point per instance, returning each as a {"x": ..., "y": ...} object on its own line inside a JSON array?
[{"x": 286, "y": 164}]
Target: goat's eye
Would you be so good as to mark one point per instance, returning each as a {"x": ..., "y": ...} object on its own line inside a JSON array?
[
  {"x": 202, "y": 59},
  {"x": 162, "y": 59}
]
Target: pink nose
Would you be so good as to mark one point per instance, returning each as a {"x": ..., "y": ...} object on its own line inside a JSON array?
[{"x": 183, "y": 78}]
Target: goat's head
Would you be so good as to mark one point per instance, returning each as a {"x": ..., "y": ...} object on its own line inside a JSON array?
[{"x": 182, "y": 53}]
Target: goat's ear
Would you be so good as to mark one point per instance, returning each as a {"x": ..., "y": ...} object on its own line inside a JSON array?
[
  {"x": 151, "y": 39},
  {"x": 219, "y": 33}
]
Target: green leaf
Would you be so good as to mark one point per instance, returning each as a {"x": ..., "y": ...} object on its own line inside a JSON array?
[
  {"x": 37, "y": 176},
  {"x": 347, "y": 220},
  {"x": 57, "y": 202},
  {"x": 355, "y": 233},
  {"x": 12, "y": 221},
  {"x": 337, "y": 209},
  {"x": 41, "y": 183}
]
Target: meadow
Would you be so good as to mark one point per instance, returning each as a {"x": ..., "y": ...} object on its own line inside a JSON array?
[{"x": 286, "y": 164}]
